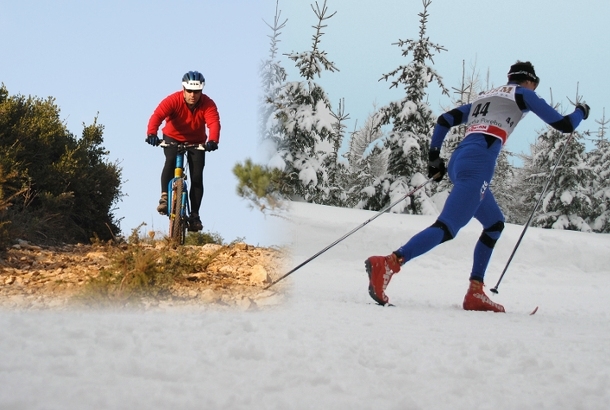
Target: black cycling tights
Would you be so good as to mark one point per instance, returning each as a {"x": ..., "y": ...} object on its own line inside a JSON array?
[{"x": 196, "y": 161}]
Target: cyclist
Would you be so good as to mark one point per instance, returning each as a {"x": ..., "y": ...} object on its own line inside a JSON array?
[{"x": 186, "y": 113}]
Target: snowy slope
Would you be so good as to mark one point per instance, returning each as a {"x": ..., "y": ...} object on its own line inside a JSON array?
[{"x": 329, "y": 346}]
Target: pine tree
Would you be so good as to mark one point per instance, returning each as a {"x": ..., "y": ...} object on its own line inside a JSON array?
[
  {"x": 412, "y": 122},
  {"x": 503, "y": 180},
  {"x": 599, "y": 161},
  {"x": 307, "y": 122},
  {"x": 567, "y": 203},
  {"x": 365, "y": 169},
  {"x": 262, "y": 184},
  {"x": 273, "y": 76},
  {"x": 526, "y": 186},
  {"x": 334, "y": 185}
]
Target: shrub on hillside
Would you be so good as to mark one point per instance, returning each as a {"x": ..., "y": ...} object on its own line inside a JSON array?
[{"x": 54, "y": 187}]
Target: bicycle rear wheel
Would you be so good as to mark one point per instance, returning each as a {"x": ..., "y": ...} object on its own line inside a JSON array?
[{"x": 177, "y": 222}]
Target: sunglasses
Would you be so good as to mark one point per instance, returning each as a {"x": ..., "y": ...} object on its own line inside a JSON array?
[{"x": 192, "y": 91}]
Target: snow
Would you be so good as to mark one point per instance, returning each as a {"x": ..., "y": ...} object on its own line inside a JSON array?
[
  {"x": 308, "y": 175},
  {"x": 277, "y": 161},
  {"x": 566, "y": 197},
  {"x": 328, "y": 346}
]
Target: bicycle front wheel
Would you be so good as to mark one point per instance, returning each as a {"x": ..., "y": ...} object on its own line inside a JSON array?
[{"x": 177, "y": 222}]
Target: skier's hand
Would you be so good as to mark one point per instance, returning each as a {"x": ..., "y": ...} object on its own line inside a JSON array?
[
  {"x": 152, "y": 139},
  {"x": 211, "y": 146},
  {"x": 584, "y": 108},
  {"x": 436, "y": 165}
]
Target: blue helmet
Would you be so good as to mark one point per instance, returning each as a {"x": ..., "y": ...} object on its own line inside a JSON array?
[{"x": 193, "y": 80}]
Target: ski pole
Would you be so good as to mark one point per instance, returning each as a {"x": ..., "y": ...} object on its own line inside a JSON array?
[
  {"x": 527, "y": 224},
  {"x": 414, "y": 190}
]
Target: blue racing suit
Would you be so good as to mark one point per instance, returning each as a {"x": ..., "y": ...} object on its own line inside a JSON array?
[{"x": 489, "y": 121}]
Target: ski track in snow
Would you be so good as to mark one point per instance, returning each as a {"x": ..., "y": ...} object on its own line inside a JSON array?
[{"x": 330, "y": 346}]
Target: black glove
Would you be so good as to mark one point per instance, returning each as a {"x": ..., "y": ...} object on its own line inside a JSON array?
[
  {"x": 436, "y": 165},
  {"x": 152, "y": 139},
  {"x": 585, "y": 109},
  {"x": 211, "y": 146}
]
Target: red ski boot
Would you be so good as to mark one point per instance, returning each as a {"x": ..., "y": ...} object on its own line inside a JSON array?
[
  {"x": 476, "y": 299},
  {"x": 380, "y": 270}
]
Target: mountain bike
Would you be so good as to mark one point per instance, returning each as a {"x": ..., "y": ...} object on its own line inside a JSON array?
[{"x": 178, "y": 207}]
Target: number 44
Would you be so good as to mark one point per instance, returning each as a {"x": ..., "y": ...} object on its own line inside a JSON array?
[{"x": 481, "y": 109}]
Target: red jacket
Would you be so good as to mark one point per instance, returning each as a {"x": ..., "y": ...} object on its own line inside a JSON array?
[{"x": 183, "y": 125}]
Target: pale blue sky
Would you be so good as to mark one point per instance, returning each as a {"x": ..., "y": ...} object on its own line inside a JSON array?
[
  {"x": 119, "y": 58},
  {"x": 563, "y": 39}
]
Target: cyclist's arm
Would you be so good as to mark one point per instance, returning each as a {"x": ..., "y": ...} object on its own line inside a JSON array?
[
  {"x": 212, "y": 120},
  {"x": 163, "y": 110}
]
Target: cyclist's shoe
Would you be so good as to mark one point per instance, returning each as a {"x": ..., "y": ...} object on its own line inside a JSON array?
[
  {"x": 162, "y": 207},
  {"x": 194, "y": 223},
  {"x": 476, "y": 299},
  {"x": 380, "y": 270}
]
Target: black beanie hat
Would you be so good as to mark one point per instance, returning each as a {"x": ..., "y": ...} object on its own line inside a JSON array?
[{"x": 522, "y": 71}]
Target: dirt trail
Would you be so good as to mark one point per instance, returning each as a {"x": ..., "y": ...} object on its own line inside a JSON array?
[{"x": 43, "y": 277}]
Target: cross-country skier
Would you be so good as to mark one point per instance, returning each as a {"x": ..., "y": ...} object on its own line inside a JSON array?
[{"x": 490, "y": 120}]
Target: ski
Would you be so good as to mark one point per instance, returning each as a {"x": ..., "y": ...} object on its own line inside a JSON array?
[
  {"x": 375, "y": 303},
  {"x": 533, "y": 312}
]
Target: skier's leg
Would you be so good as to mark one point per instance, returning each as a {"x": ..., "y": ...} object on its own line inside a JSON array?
[
  {"x": 470, "y": 165},
  {"x": 490, "y": 216},
  {"x": 459, "y": 208},
  {"x": 424, "y": 241}
]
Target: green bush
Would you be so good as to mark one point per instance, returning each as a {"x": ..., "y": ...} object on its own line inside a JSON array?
[
  {"x": 54, "y": 187},
  {"x": 203, "y": 238},
  {"x": 138, "y": 272}
]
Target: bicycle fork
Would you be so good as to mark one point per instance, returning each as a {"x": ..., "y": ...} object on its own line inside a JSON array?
[{"x": 178, "y": 179}]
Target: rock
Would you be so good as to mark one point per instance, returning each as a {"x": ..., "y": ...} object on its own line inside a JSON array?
[
  {"x": 244, "y": 303},
  {"x": 96, "y": 255},
  {"x": 264, "y": 294},
  {"x": 227, "y": 299},
  {"x": 241, "y": 246},
  {"x": 208, "y": 296},
  {"x": 210, "y": 247},
  {"x": 228, "y": 269},
  {"x": 259, "y": 275},
  {"x": 272, "y": 300}
]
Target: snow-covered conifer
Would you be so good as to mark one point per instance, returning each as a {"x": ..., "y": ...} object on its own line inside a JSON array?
[
  {"x": 599, "y": 161},
  {"x": 367, "y": 162},
  {"x": 412, "y": 122},
  {"x": 567, "y": 203},
  {"x": 261, "y": 184},
  {"x": 273, "y": 77},
  {"x": 307, "y": 121}
]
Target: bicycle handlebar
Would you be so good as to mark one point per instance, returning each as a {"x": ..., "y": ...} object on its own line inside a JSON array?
[{"x": 165, "y": 144}]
